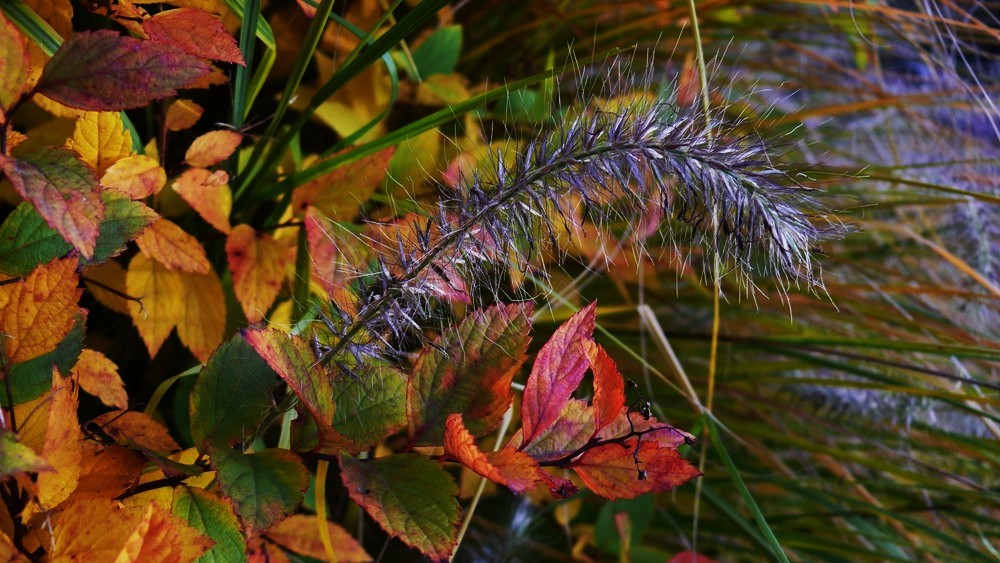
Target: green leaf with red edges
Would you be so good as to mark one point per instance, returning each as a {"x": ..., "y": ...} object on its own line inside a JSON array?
[
  {"x": 233, "y": 393},
  {"x": 572, "y": 430},
  {"x": 105, "y": 71},
  {"x": 124, "y": 220},
  {"x": 514, "y": 469},
  {"x": 195, "y": 32},
  {"x": 557, "y": 372},
  {"x": 13, "y": 65},
  {"x": 610, "y": 470},
  {"x": 370, "y": 406},
  {"x": 264, "y": 486},
  {"x": 469, "y": 372},
  {"x": 213, "y": 517},
  {"x": 609, "y": 386},
  {"x": 63, "y": 189},
  {"x": 410, "y": 496},
  {"x": 294, "y": 361}
]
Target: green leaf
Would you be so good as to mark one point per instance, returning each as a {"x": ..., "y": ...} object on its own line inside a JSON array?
[
  {"x": 105, "y": 71},
  {"x": 213, "y": 517},
  {"x": 31, "y": 379},
  {"x": 265, "y": 486},
  {"x": 439, "y": 53},
  {"x": 370, "y": 406},
  {"x": 469, "y": 371},
  {"x": 16, "y": 458},
  {"x": 232, "y": 394},
  {"x": 26, "y": 242},
  {"x": 410, "y": 496},
  {"x": 124, "y": 219},
  {"x": 526, "y": 105}
]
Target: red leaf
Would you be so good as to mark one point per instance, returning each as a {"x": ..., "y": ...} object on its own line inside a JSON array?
[
  {"x": 610, "y": 470},
  {"x": 63, "y": 189},
  {"x": 517, "y": 470},
  {"x": 559, "y": 487},
  {"x": 572, "y": 430},
  {"x": 558, "y": 370},
  {"x": 196, "y": 33},
  {"x": 609, "y": 387},
  {"x": 104, "y": 71}
]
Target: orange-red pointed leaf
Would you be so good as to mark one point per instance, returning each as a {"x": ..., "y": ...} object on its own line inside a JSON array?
[
  {"x": 196, "y": 33},
  {"x": 258, "y": 263},
  {"x": 340, "y": 194},
  {"x": 609, "y": 387},
  {"x": 611, "y": 472},
  {"x": 38, "y": 312},
  {"x": 98, "y": 376},
  {"x": 132, "y": 428},
  {"x": 557, "y": 372},
  {"x": 100, "y": 138},
  {"x": 212, "y": 148},
  {"x": 63, "y": 189},
  {"x": 136, "y": 176},
  {"x": 515, "y": 469},
  {"x": 208, "y": 194},
  {"x": 410, "y": 496},
  {"x": 299, "y": 533},
  {"x": 469, "y": 372},
  {"x": 105, "y": 71},
  {"x": 169, "y": 245}
]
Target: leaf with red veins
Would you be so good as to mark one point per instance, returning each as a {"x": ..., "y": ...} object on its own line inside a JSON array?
[
  {"x": 609, "y": 387},
  {"x": 610, "y": 470},
  {"x": 571, "y": 431},
  {"x": 63, "y": 189},
  {"x": 557, "y": 372},
  {"x": 517, "y": 470},
  {"x": 665, "y": 435},
  {"x": 195, "y": 32},
  {"x": 105, "y": 71}
]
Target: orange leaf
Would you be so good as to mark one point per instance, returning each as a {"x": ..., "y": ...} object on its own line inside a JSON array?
[
  {"x": 340, "y": 194},
  {"x": 212, "y": 148},
  {"x": 160, "y": 291},
  {"x": 169, "y": 245},
  {"x": 262, "y": 551},
  {"x": 110, "y": 274},
  {"x": 203, "y": 323},
  {"x": 63, "y": 447},
  {"x": 609, "y": 387},
  {"x": 183, "y": 114},
  {"x": 333, "y": 257},
  {"x": 13, "y": 65},
  {"x": 100, "y": 139},
  {"x": 207, "y": 193},
  {"x": 258, "y": 263},
  {"x": 196, "y": 33},
  {"x": 108, "y": 471},
  {"x": 515, "y": 469},
  {"x": 132, "y": 428},
  {"x": 610, "y": 470},
  {"x": 299, "y": 533},
  {"x": 161, "y": 536},
  {"x": 136, "y": 176},
  {"x": 98, "y": 376},
  {"x": 37, "y": 313}
]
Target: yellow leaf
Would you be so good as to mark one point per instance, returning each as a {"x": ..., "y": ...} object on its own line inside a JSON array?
[
  {"x": 160, "y": 291},
  {"x": 109, "y": 274},
  {"x": 108, "y": 471},
  {"x": 299, "y": 533},
  {"x": 212, "y": 148},
  {"x": 168, "y": 244},
  {"x": 38, "y": 312},
  {"x": 340, "y": 193},
  {"x": 137, "y": 176},
  {"x": 101, "y": 139},
  {"x": 133, "y": 428},
  {"x": 63, "y": 447},
  {"x": 258, "y": 263},
  {"x": 203, "y": 323},
  {"x": 355, "y": 105},
  {"x": 98, "y": 376},
  {"x": 207, "y": 193},
  {"x": 183, "y": 114}
]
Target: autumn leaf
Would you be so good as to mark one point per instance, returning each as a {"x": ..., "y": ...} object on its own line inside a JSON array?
[
  {"x": 100, "y": 138},
  {"x": 265, "y": 486},
  {"x": 133, "y": 428},
  {"x": 98, "y": 376},
  {"x": 16, "y": 457},
  {"x": 572, "y": 429},
  {"x": 108, "y": 471},
  {"x": 468, "y": 371},
  {"x": 159, "y": 536},
  {"x": 514, "y": 469},
  {"x": 38, "y": 312},
  {"x": 33, "y": 378},
  {"x": 203, "y": 319},
  {"x": 213, "y": 517},
  {"x": 63, "y": 447},
  {"x": 183, "y": 114},
  {"x": 340, "y": 193},
  {"x": 558, "y": 370},
  {"x": 195, "y": 32},
  {"x": 609, "y": 386},
  {"x": 160, "y": 291},
  {"x": 611, "y": 472},
  {"x": 63, "y": 189},
  {"x": 208, "y": 193},
  {"x": 410, "y": 496},
  {"x": 371, "y": 405},
  {"x": 110, "y": 274},
  {"x": 26, "y": 241},
  {"x": 124, "y": 220},
  {"x": 169, "y": 245},
  {"x": 299, "y": 533},
  {"x": 258, "y": 263},
  {"x": 233, "y": 393},
  {"x": 136, "y": 176},
  {"x": 212, "y": 148},
  {"x": 332, "y": 255},
  {"x": 13, "y": 65},
  {"x": 105, "y": 71}
]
